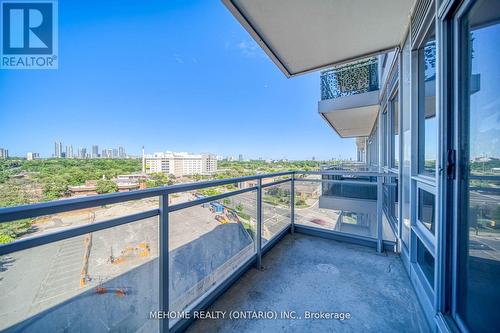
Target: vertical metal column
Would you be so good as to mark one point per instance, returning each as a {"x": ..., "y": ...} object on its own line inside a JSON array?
[
  {"x": 292, "y": 204},
  {"x": 259, "y": 223},
  {"x": 164, "y": 323},
  {"x": 380, "y": 245}
]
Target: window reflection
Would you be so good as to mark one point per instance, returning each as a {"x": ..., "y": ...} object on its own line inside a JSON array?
[
  {"x": 395, "y": 130},
  {"x": 406, "y": 137},
  {"x": 426, "y": 211},
  {"x": 426, "y": 262},
  {"x": 427, "y": 109},
  {"x": 479, "y": 292}
]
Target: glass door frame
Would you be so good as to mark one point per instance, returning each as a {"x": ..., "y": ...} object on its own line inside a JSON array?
[{"x": 453, "y": 95}]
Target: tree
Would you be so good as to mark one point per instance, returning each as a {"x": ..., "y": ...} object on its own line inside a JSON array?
[{"x": 106, "y": 186}]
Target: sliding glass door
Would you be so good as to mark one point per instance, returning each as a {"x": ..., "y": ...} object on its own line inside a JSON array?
[{"x": 477, "y": 204}]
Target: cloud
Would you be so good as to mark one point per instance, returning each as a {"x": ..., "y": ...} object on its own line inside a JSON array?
[
  {"x": 250, "y": 49},
  {"x": 178, "y": 58}
]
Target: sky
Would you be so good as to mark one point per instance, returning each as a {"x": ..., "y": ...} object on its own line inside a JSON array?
[
  {"x": 169, "y": 75},
  {"x": 485, "y": 103}
]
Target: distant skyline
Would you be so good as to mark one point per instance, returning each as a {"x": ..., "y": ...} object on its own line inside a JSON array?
[
  {"x": 89, "y": 148},
  {"x": 176, "y": 75}
]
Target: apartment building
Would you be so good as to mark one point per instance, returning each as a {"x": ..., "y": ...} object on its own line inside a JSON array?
[
  {"x": 4, "y": 153},
  {"x": 30, "y": 156},
  {"x": 180, "y": 164},
  {"x": 58, "y": 149}
]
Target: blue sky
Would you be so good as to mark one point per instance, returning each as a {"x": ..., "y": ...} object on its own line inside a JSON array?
[{"x": 169, "y": 75}]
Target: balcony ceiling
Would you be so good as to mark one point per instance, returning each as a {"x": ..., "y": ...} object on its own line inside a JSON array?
[
  {"x": 351, "y": 116},
  {"x": 353, "y": 122},
  {"x": 307, "y": 35}
]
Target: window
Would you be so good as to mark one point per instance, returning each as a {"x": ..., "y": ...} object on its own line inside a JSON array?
[
  {"x": 426, "y": 209},
  {"x": 425, "y": 261},
  {"x": 427, "y": 124},
  {"x": 395, "y": 131},
  {"x": 478, "y": 293},
  {"x": 385, "y": 141},
  {"x": 373, "y": 146},
  {"x": 406, "y": 140}
]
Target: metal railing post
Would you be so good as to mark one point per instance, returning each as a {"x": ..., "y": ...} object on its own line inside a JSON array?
[
  {"x": 292, "y": 204},
  {"x": 259, "y": 223},
  {"x": 380, "y": 245},
  {"x": 164, "y": 323}
]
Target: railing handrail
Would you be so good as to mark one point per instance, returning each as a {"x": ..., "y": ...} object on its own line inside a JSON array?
[
  {"x": 347, "y": 173},
  {"x": 13, "y": 213},
  {"x": 8, "y": 214},
  {"x": 162, "y": 212}
]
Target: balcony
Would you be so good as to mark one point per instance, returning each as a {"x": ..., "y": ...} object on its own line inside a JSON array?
[
  {"x": 350, "y": 97},
  {"x": 111, "y": 262}
]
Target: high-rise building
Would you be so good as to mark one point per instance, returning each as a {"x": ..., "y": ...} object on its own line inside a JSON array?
[
  {"x": 32, "y": 156},
  {"x": 115, "y": 153},
  {"x": 82, "y": 152},
  {"x": 57, "y": 149},
  {"x": 4, "y": 153},
  {"x": 69, "y": 151},
  {"x": 121, "y": 152},
  {"x": 109, "y": 153},
  {"x": 95, "y": 151},
  {"x": 240, "y": 157},
  {"x": 180, "y": 164}
]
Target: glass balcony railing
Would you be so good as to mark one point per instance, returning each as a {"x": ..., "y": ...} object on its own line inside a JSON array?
[
  {"x": 350, "y": 79},
  {"x": 131, "y": 258}
]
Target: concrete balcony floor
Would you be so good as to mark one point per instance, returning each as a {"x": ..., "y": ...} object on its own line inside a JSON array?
[{"x": 305, "y": 273}]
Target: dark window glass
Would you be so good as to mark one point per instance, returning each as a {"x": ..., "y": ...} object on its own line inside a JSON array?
[
  {"x": 479, "y": 218},
  {"x": 426, "y": 262},
  {"x": 426, "y": 209}
]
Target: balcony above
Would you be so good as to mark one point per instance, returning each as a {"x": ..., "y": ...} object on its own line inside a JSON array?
[
  {"x": 350, "y": 97},
  {"x": 329, "y": 33}
]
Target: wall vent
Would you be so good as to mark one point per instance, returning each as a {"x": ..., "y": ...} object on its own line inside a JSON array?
[{"x": 418, "y": 17}]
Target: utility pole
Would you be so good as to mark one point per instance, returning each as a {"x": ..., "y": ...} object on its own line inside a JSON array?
[{"x": 143, "y": 161}]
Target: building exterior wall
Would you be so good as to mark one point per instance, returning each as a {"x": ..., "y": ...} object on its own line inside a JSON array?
[
  {"x": 180, "y": 164},
  {"x": 4, "y": 153}
]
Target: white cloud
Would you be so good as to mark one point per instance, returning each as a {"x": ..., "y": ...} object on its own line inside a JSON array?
[
  {"x": 178, "y": 58},
  {"x": 250, "y": 49}
]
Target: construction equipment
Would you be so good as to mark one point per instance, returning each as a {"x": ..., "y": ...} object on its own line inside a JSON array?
[
  {"x": 222, "y": 218},
  {"x": 141, "y": 250}
]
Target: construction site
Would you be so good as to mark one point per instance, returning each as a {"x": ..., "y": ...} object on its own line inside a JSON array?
[{"x": 118, "y": 266}]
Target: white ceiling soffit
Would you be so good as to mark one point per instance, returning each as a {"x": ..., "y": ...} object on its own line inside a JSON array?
[
  {"x": 306, "y": 35},
  {"x": 350, "y": 123}
]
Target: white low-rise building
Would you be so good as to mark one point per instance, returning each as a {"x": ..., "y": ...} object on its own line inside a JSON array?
[
  {"x": 32, "y": 156},
  {"x": 180, "y": 164}
]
